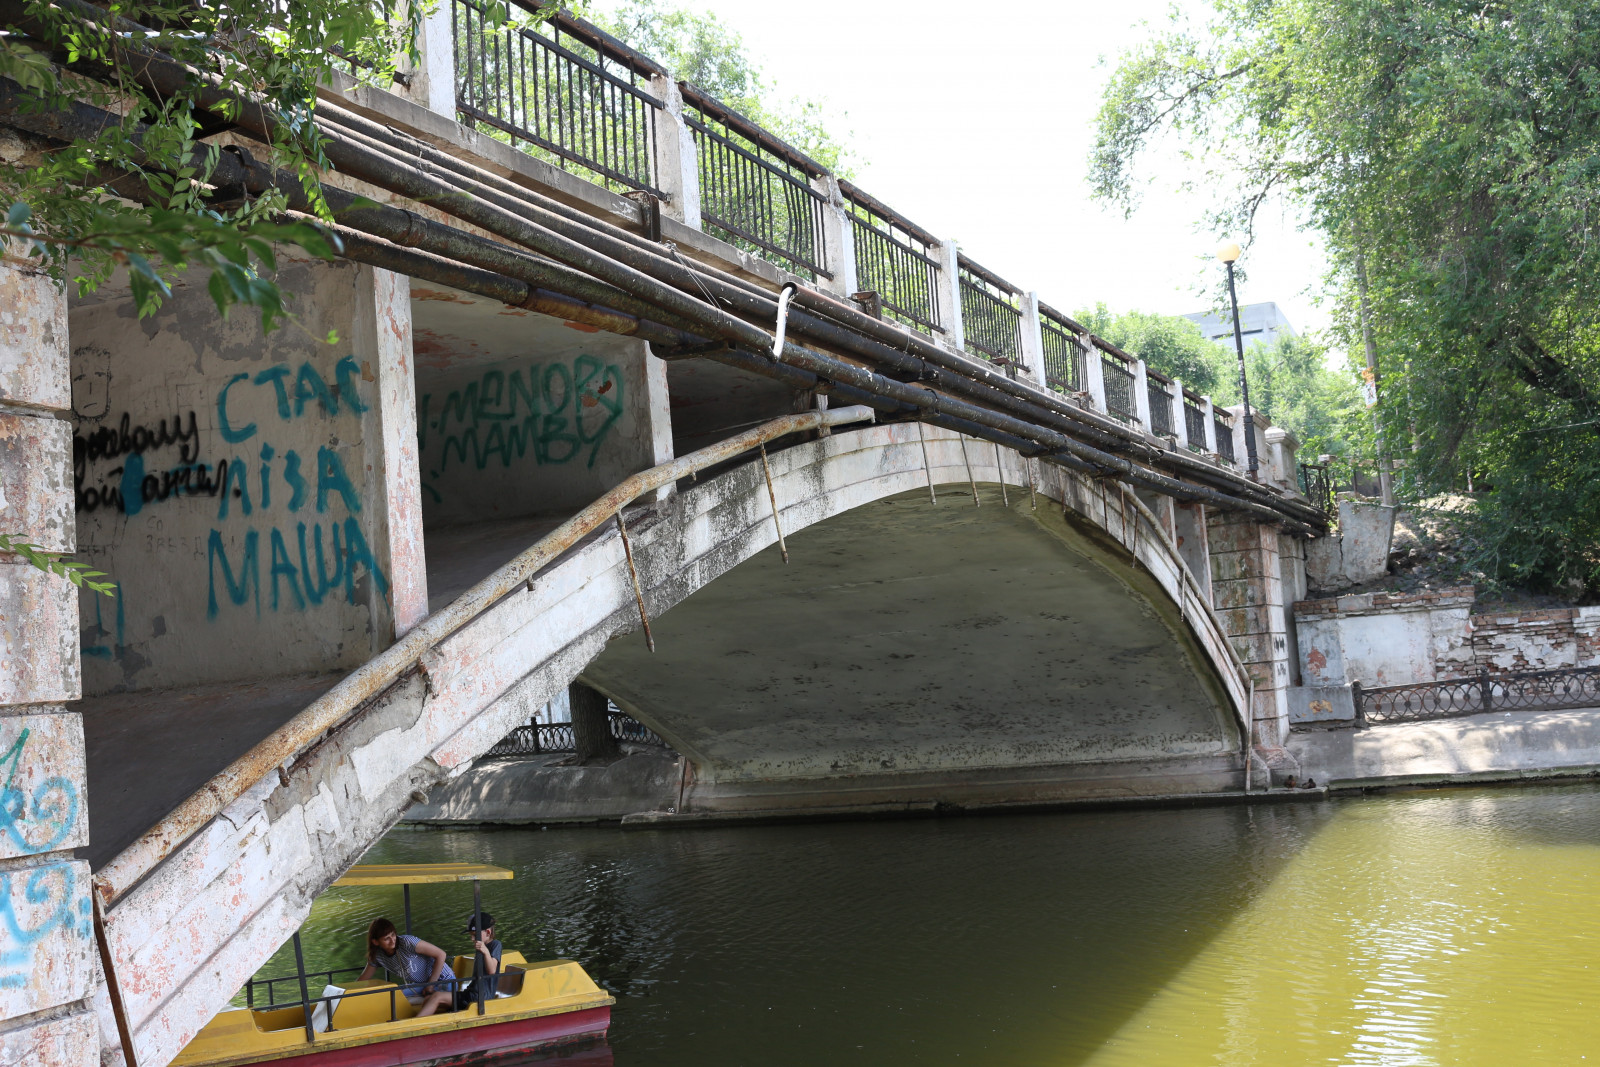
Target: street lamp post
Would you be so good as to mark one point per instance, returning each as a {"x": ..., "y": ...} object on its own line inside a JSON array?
[{"x": 1229, "y": 253}]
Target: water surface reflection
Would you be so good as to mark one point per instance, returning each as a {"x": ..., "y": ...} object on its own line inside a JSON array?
[{"x": 1452, "y": 927}]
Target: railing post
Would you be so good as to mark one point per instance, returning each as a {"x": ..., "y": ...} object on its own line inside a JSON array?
[
  {"x": 1210, "y": 412},
  {"x": 1031, "y": 339},
  {"x": 1180, "y": 415},
  {"x": 1141, "y": 397},
  {"x": 677, "y": 162},
  {"x": 1486, "y": 688},
  {"x": 1355, "y": 693},
  {"x": 838, "y": 238},
  {"x": 949, "y": 257},
  {"x": 1094, "y": 378},
  {"x": 433, "y": 79}
]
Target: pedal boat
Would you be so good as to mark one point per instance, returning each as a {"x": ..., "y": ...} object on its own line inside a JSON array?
[{"x": 371, "y": 1024}]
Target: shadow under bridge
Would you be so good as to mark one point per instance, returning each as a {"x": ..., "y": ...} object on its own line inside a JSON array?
[{"x": 915, "y": 653}]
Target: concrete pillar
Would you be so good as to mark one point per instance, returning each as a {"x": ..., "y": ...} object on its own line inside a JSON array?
[
  {"x": 1032, "y": 339},
  {"x": 1094, "y": 379},
  {"x": 1248, "y": 594},
  {"x": 433, "y": 78},
  {"x": 381, "y": 343},
  {"x": 838, "y": 239},
  {"x": 48, "y": 959},
  {"x": 1208, "y": 410},
  {"x": 591, "y": 724},
  {"x": 948, "y": 255},
  {"x": 1180, "y": 418},
  {"x": 677, "y": 162},
  {"x": 1141, "y": 396}
]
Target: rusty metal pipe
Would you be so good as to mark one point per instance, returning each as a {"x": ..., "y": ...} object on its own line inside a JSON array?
[{"x": 331, "y": 709}]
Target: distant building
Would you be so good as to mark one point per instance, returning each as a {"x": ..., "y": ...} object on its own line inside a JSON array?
[{"x": 1258, "y": 324}]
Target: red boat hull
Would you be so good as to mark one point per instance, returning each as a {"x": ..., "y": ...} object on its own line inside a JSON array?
[{"x": 467, "y": 1046}]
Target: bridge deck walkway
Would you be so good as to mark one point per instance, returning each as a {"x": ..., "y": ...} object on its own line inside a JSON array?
[{"x": 148, "y": 750}]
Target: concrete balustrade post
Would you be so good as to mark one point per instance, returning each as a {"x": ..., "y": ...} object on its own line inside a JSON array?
[
  {"x": 677, "y": 162},
  {"x": 1094, "y": 378},
  {"x": 949, "y": 257},
  {"x": 1141, "y": 396},
  {"x": 1180, "y": 415},
  {"x": 431, "y": 81},
  {"x": 1031, "y": 339},
  {"x": 48, "y": 969},
  {"x": 1209, "y": 413},
  {"x": 838, "y": 239}
]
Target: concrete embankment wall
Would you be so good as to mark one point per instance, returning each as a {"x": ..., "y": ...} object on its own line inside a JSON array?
[
  {"x": 550, "y": 789},
  {"x": 1497, "y": 746}
]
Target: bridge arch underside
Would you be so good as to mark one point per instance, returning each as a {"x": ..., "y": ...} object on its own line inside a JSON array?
[{"x": 913, "y": 653}]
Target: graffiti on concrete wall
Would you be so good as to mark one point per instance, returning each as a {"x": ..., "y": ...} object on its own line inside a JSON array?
[
  {"x": 553, "y": 413},
  {"x": 283, "y": 508},
  {"x": 45, "y": 926},
  {"x": 36, "y": 820}
]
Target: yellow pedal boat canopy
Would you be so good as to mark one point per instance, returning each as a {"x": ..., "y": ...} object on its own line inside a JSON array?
[{"x": 418, "y": 873}]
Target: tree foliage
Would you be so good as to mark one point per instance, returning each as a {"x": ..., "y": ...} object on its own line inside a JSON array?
[
  {"x": 1170, "y": 343},
  {"x": 698, "y": 48},
  {"x": 1450, "y": 154},
  {"x": 137, "y": 195}
]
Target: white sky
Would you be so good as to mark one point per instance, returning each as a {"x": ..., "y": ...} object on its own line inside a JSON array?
[{"x": 981, "y": 131}]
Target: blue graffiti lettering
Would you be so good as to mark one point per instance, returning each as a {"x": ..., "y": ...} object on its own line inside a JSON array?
[
  {"x": 249, "y": 572},
  {"x": 229, "y": 434}
]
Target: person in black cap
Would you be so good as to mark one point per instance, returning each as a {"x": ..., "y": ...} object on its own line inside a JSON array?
[{"x": 486, "y": 971}]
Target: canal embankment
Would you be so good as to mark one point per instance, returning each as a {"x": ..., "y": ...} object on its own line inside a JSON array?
[{"x": 1495, "y": 746}]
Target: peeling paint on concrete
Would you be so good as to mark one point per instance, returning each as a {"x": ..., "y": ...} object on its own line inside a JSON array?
[{"x": 47, "y": 951}]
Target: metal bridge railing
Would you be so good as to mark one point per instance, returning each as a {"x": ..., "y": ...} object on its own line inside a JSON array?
[
  {"x": 991, "y": 315},
  {"x": 756, "y": 189},
  {"x": 1063, "y": 352},
  {"x": 1224, "y": 428},
  {"x": 1194, "y": 421},
  {"x": 1117, "y": 374},
  {"x": 1158, "y": 391},
  {"x": 537, "y": 738},
  {"x": 1567, "y": 687},
  {"x": 572, "y": 94},
  {"x": 1316, "y": 482},
  {"x": 895, "y": 259}
]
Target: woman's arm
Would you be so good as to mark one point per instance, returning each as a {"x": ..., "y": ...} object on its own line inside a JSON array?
[
  {"x": 366, "y": 973},
  {"x": 424, "y": 948}
]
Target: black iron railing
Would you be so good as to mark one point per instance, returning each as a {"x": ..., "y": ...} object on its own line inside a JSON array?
[
  {"x": 1158, "y": 391},
  {"x": 1063, "y": 353},
  {"x": 1223, "y": 425},
  {"x": 1117, "y": 375},
  {"x": 1194, "y": 421},
  {"x": 571, "y": 94},
  {"x": 991, "y": 314},
  {"x": 1567, "y": 687},
  {"x": 894, "y": 259},
  {"x": 539, "y": 738},
  {"x": 1317, "y": 484},
  {"x": 755, "y": 189}
]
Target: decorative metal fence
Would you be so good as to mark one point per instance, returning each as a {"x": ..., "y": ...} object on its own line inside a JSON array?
[
  {"x": 1317, "y": 484},
  {"x": 1568, "y": 687},
  {"x": 538, "y": 738},
  {"x": 1194, "y": 421},
  {"x": 990, "y": 316},
  {"x": 1063, "y": 354},
  {"x": 1118, "y": 378},
  {"x": 895, "y": 259},
  {"x": 572, "y": 94},
  {"x": 1223, "y": 424},
  {"x": 1158, "y": 391},
  {"x": 755, "y": 189}
]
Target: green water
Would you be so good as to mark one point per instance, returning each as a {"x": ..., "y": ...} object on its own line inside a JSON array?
[{"x": 1458, "y": 927}]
